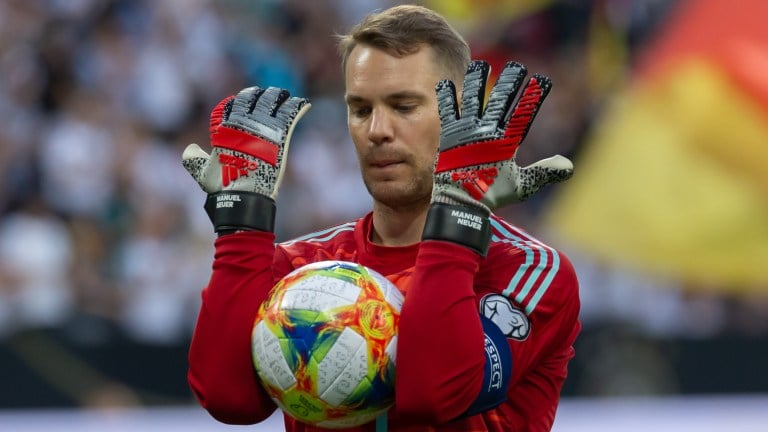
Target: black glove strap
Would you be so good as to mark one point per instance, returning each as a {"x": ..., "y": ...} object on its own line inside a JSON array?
[
  {"x": 232, "y": 211},
  {"x": 459, "y": 224}
]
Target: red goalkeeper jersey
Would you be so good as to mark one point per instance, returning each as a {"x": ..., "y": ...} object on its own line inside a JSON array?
[{"x": 527, "y": 288}]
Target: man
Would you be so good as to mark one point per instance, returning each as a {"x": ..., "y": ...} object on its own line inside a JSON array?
[{"x": 490, "y": 313}]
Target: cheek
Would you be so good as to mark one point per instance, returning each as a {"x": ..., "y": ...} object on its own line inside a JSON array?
[
  {"x": 354, "y": 130},
  {"x": 425, "y": 157},
  {"x": 429, "y": 137}
]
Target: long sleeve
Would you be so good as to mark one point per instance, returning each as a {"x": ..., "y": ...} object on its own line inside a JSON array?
[
  {"x": 221, "y": 372},
  {"x": 440, "y": 356},
  {"x": 540, "y": 362}
]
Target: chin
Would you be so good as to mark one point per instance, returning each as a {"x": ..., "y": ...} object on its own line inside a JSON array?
[{"x": 399, "y": 195}]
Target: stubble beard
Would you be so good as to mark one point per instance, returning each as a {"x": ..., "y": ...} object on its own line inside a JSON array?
[{"x": 412, "y": 193}]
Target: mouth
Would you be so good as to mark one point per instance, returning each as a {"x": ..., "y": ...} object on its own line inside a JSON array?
[
  {"x": 381, "y": 164},
  {"x": 385, "y": 169}
]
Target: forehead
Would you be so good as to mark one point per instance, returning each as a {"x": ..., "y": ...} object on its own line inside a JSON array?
[{"x": 373, "y": 72}]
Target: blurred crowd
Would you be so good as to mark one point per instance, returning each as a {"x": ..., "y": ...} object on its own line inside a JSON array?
[
  {"x": 98, "y": 219},
  {"x": 99, "y": 222}
]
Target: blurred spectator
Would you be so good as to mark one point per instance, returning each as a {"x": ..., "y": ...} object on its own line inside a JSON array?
[
  {"x": 154, "y": 274},
  {"x": 77, "y": 158},
  {"x": 35, "y": 258}
]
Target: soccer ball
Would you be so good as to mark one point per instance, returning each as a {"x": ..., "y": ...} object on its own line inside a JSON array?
[{"x": 324, "y": 343}]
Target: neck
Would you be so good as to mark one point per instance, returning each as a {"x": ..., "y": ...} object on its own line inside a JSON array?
[{"x": 398, "y": 227}]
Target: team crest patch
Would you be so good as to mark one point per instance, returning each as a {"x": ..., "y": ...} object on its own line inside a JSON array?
[{"x": 511, "y": 320}]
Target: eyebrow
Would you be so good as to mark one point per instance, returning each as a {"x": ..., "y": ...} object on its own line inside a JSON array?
[{"x": 397, "y": 96}]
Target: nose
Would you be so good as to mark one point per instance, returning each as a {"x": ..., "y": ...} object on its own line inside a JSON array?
[{"x": 380, "y": 129}]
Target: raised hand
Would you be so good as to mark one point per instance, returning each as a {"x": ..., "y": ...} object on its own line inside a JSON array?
[
  {"x": 478, "y": 144},
  {"x": 476, "y": 172},
  {"x": 250, "y": 134}
]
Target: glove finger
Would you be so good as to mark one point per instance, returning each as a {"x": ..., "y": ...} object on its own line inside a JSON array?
[
  {"x": 220, "y": 113},
  {"x": 271, "y": 100},
  {"x": 539, "y": 174},
  {"x": 504, "y": 91},
  {"x": 195, "y": 160},
  {"x": 246, "y": 100},
  {"x": 294, "y": 108},
  {"x": 447, "y": 105},
  {"x": 290, "y": 112},
  {"x": 524, "y": 112},
  {"x": 473, "y": 92}
]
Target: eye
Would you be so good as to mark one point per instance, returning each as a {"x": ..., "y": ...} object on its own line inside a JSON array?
[
  {"x": 403, "y": 108},
  {"x": 360, "y": 111}
]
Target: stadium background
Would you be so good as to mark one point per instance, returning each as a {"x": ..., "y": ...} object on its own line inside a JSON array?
[{"x": 104, "y": 246}]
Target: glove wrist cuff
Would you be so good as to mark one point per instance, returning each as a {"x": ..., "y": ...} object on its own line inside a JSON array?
[
  {"x": 464, "y": 225},
  {"x": 239, "y": 210}
]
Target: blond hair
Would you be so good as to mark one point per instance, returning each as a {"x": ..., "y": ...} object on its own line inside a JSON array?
[{"x": 403, "y": 30}]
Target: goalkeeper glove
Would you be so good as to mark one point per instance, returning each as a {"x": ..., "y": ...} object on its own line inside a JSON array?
[
  {"x": 476, "y": 170},
  {"x": 249, "y": 134}
]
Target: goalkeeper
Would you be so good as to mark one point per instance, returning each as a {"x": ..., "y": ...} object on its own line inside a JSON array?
[{"x": 490, "y": 313}]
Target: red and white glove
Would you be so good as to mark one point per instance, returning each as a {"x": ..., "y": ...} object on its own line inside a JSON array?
[
  {"x": 250, "y": 134},
  {"x": 476, "y": 170}
]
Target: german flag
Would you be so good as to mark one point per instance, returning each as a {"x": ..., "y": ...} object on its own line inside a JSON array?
[{"x": 673, "y": 179}]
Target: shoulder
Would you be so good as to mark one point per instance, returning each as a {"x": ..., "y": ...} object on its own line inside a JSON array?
[
  {"x": 531, "y": 273},
  {"x": 318, "y": 243},
  {"x": 323, "y": 236}
]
